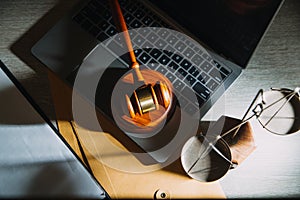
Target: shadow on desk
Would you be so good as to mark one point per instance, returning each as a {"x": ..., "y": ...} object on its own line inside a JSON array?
[
  {"x": 55, "y": 177},
  {"x": 13, "y": 110},
  {"x": 22, "y": 49},
  {"x": 117, "y": 183}
]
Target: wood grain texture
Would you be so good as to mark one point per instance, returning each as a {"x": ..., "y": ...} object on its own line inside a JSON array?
[{"x": 272, "y": 170}]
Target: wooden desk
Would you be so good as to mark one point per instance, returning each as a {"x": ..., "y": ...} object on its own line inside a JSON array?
[
  {"x": 119, "y": 172},
  {"x": 272, "y": 170}
]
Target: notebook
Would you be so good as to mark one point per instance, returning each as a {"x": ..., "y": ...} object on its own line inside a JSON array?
[
  {"x": 35, "y": 161},
  {"x": 213, "y": 42}
]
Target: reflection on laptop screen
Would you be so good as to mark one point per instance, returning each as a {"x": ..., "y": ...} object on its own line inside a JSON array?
[{"x": 231, "y": 27}]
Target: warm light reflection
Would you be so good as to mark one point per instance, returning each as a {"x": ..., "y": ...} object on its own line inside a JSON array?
[
  {"x": 166, "y": 94},
  {"x": 129, "y": 106},
  {"x": 149, "y": 104}
]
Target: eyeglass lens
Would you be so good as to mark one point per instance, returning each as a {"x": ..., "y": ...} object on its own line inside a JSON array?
[{"x": 280, "y": 112}]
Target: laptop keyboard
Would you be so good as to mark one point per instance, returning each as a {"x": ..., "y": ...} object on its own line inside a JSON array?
[{"x": 192, "y": 73}]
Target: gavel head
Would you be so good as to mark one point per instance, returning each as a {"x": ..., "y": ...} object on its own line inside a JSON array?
[
  {"x": 142, "y": 107},
  {"x": 148, "y": 98}
]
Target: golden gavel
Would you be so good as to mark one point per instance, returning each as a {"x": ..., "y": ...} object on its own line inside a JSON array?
[{"x": 147, "y": 97}]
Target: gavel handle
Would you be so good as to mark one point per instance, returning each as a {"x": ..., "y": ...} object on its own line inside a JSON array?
[{"x": 122, "y": 27}]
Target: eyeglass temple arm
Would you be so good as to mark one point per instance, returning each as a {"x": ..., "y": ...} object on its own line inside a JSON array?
[
  {"x": 236, "y": 128},
  {"x": 260, "y": 92}
]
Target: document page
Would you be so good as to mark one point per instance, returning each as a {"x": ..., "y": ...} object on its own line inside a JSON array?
[{"x": 34, "y": 161}]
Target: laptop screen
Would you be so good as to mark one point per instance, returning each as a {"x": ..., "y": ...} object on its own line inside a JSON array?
[{"x": 232, "y": 28}]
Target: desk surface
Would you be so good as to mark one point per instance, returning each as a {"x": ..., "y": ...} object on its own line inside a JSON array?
[{"x": 273, "y": 169}]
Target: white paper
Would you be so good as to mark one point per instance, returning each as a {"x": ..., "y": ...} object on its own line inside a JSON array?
[{"x": 34, "y": 162}]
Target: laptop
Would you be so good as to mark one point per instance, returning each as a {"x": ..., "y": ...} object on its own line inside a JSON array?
[
  {"x": 228, "y": 30},
  {"x": 36, "y": 162}
]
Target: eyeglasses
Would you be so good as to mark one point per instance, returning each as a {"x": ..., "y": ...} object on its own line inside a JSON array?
[
  {"x": 207, "y": 158},
  {"x": 279, "y": 110}
]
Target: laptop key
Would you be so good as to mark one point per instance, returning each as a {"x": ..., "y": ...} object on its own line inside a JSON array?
[
  {"x": 111, "y": 31},
  {"x": 139, "y": 14},
  {"x": 171, "y": 77},
  {"x": 128, "y": 18},
  {"x": 147, "y": 20},
  {"x": 177, "y": 58},
  {"x": 194, "y": 71},
  {"x": 164, "y": 60},
  {"x": 198, "y": 50},
  {"x": 135, "y": 24},
  {"x": 218, "y": 65},
  {"x": 103, "y": 25},
  {"x": 102, "y": 36},
  {"x": 162, "y": 70},
  {"x": 190, "y": 80},
  {"x": 201, "y": 90},
  {"x": 207, "y": 57},
  {"x": 111, "y": 21},
  {"x": 132, "y": 33},
  {"x": 178, "y": 85},
  {"x": 115, "y": 47},
  {"x": 131, "y": 8},
  {"x": 217, "y": 75},
  {"x": 137, "y": 52},
  {"x": 106, "y": 15},
  {"x": 138, "y": 41},
  {"x": 169, "y": 51},
  {"x": 163, "y": 33},
  {"x": 189, "y": 52},
  {"x": 144, "y": 58},
  {"x": 172, "y": 39},
  {"x": 185, "y": 64},
  {"x": 152, "y": 37},
  {"x": 155, "y": 53},
  {"x": 181, "y": 73},
  {"x": 147, "y": 46},
  {"x": 161, "y": 43},
  {"x": 197, "y": 59},
  {"x": 152, "y": 64},
  {"x": 212, "y": 85},
  {"x": 144, "y": 32},
  {"x": 225, "y": 71},
  {"x": 203, "y": 78},
  {"x": 206, "y": 66},
  {"x": 173, "y": 66},
  {"x": 180, "y": 46},
  {"x": 190, "y": 43}
]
